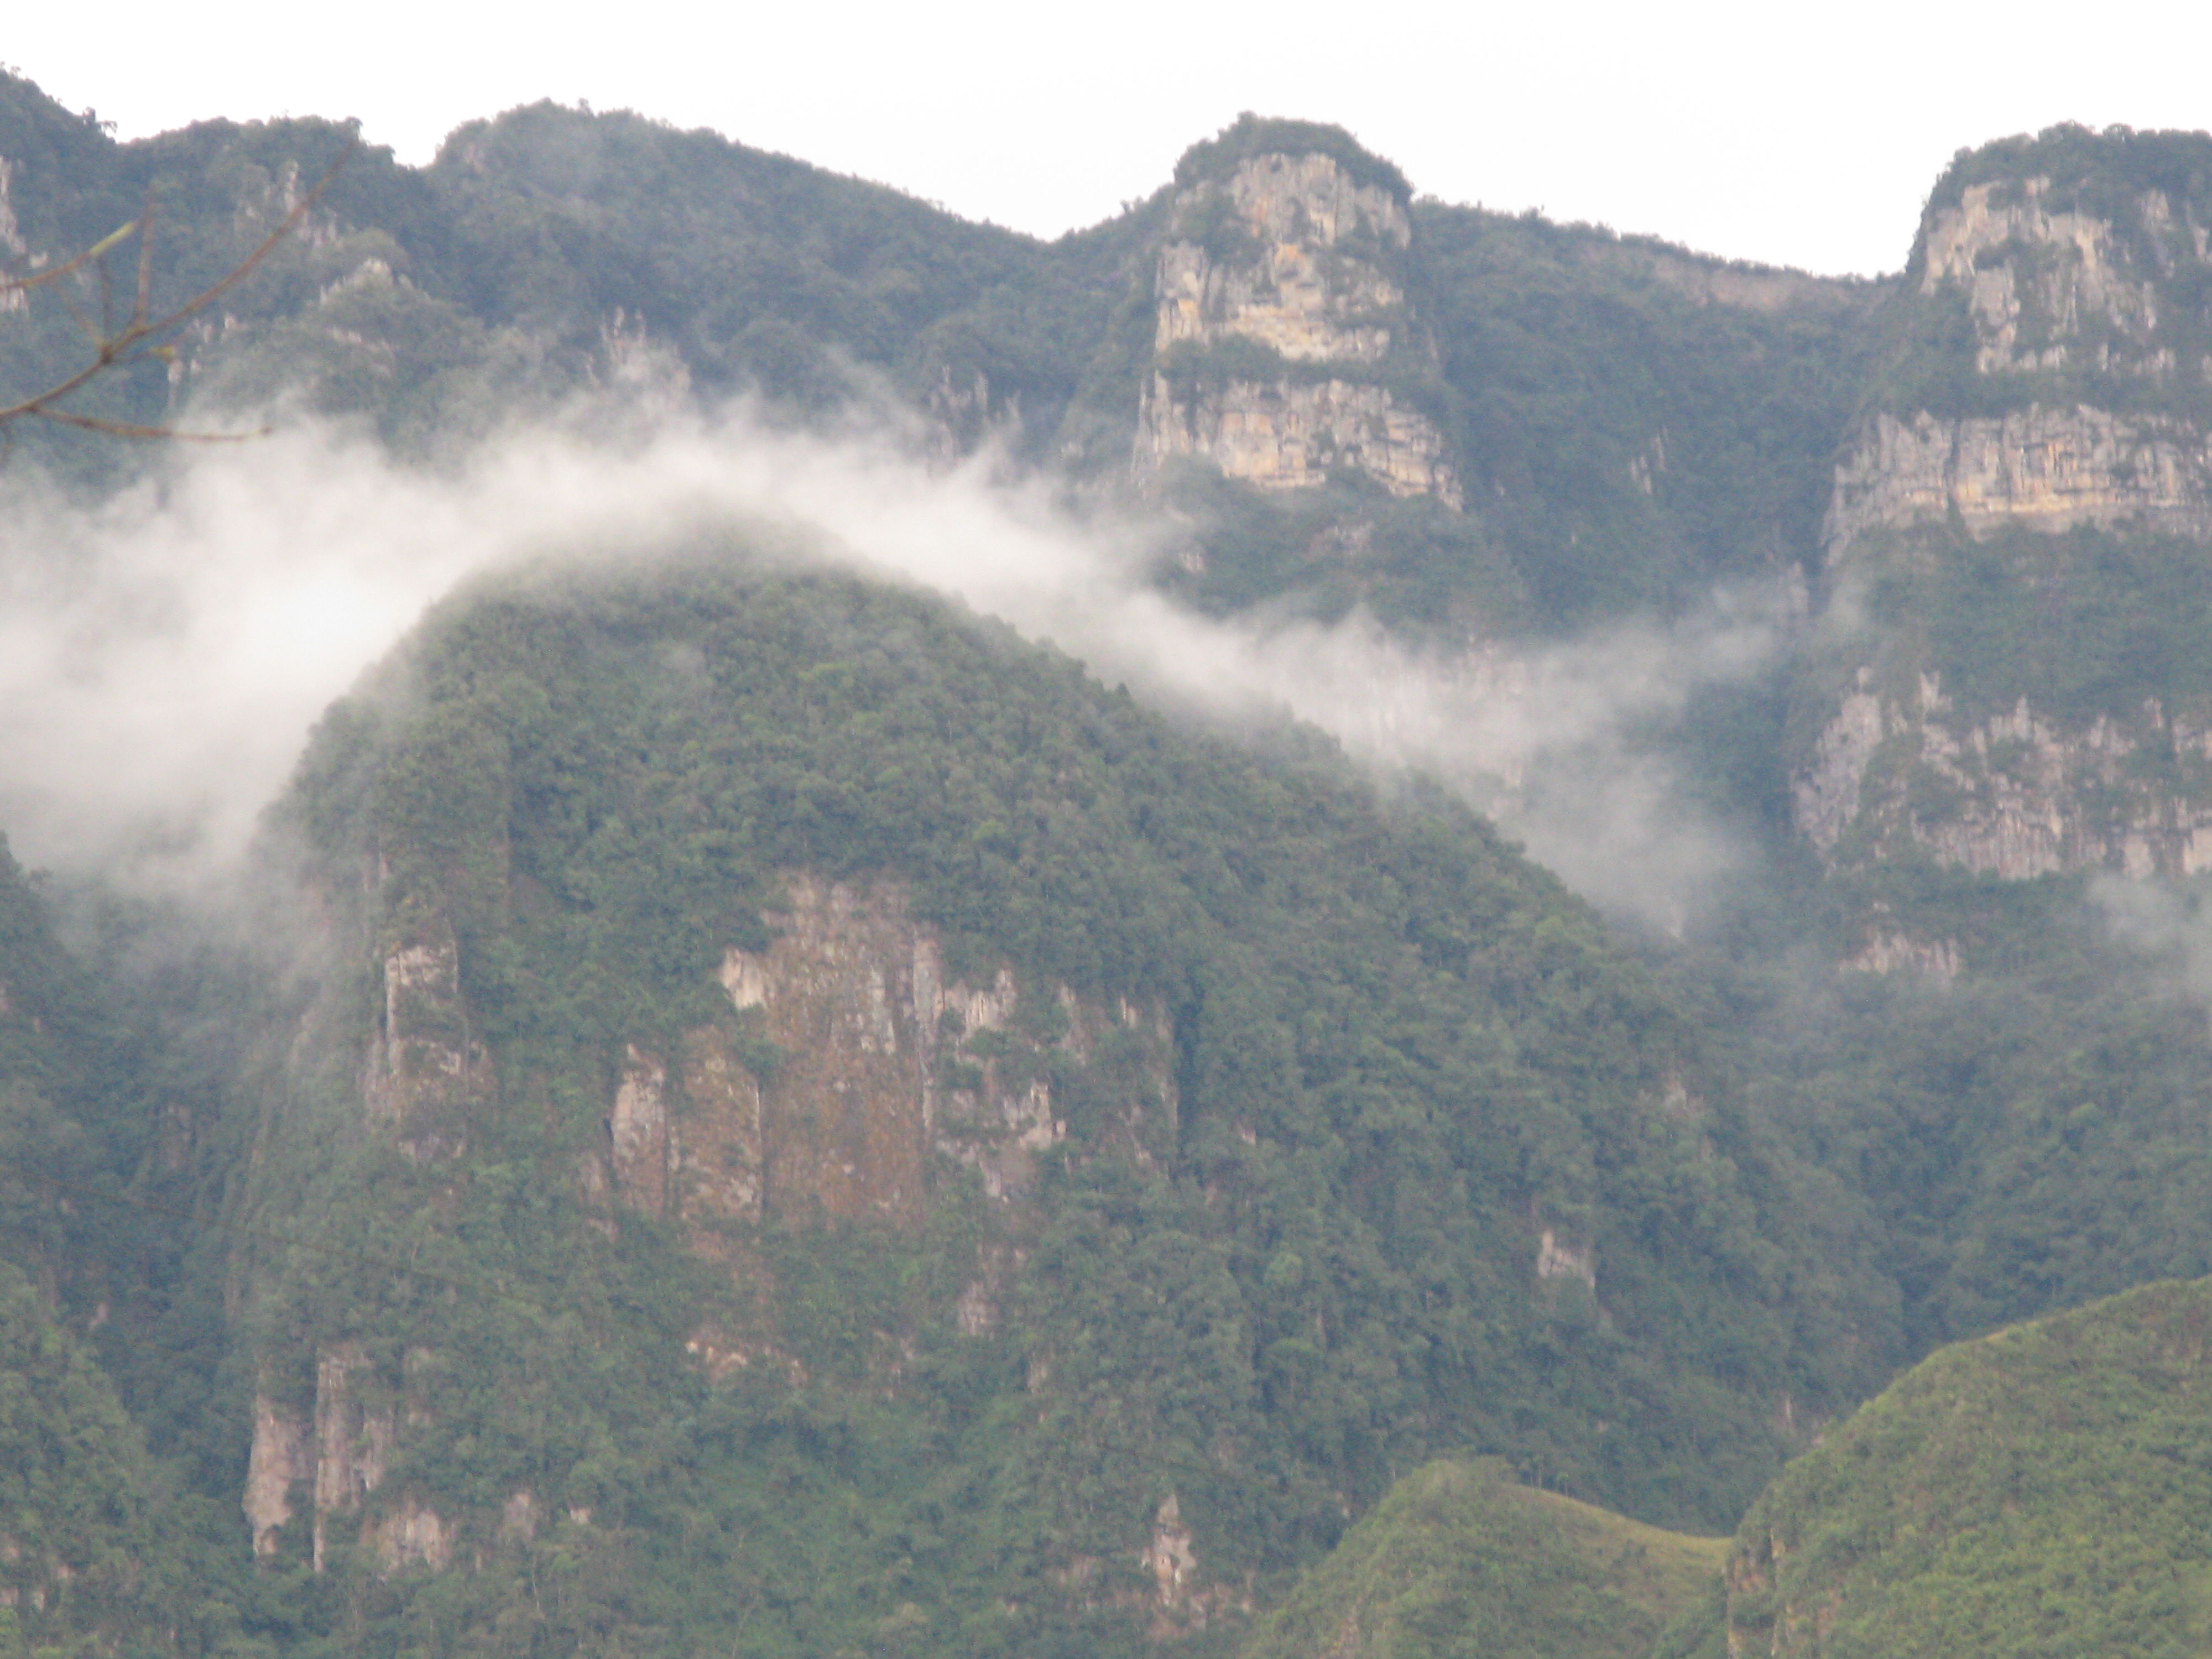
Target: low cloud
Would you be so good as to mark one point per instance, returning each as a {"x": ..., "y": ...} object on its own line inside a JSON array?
[
  {"x": 165, "y": 654},
  {"x": 2172, "y": 926}
]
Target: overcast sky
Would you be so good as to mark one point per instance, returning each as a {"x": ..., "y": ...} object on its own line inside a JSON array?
[{"x": 1803, "y": 135}]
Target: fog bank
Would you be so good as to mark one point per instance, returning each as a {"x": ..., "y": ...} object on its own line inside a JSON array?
[{"x": 166, "y": 653}]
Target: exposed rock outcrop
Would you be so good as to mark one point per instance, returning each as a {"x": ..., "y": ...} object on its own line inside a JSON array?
[
  {"x": 1888, "y": 950},
  {"x": 340, "y": 1452},
  {"x": 1286, "y": 336},
  {"x": 860, "y": 1060},
  {"x": 2033, "y": 468},
  {"x": 426, "y": 1069},
  {"x": 1183, "y": 1602},
  {"x": 2050, "y": 382},
  {"x": 12, "y": 244},
  {"x": 2014, "y": 794},
  {"x": 1557, "y": 1257},
  {"x": 2052, "y": 281},
  {"x": 283, "y": 1455},
  {"x": 353, "y": 1438}
]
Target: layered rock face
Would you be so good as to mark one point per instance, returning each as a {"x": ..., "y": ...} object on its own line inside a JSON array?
[
  {"x": 854, "y": 1075},
  {"x": 2013, "y": 795},
  {"x": 1285, "y": 334},
  {"x": 2050, "y": 399},
  {"x": 2035, "y": 468},
  {"x": 866, "y": 1062}
]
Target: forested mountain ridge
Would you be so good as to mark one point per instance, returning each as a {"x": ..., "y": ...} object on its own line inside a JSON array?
[
  {"x": 785, "y": 1120},
  {"x": 875, "y": 1016},
  {"x": 1606, "y": 394},
  {"x": 1459, "y": 1556}
]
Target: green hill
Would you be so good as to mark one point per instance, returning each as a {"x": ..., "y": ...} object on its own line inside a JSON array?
[
  {"x": 1459, "y": 1559},
  {"x": 1303, "y": 1132},
  {"x": 2046, "y": 1490}
]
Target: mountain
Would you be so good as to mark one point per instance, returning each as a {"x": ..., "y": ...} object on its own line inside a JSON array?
[
  {"x": 745, "y": 1110},
  {"x": 1989, "y": 734},
  {"x": 1629, "y": 422},
  {"x": 799, "y": 1079},
  {"x": 2042, "y": 1490}
]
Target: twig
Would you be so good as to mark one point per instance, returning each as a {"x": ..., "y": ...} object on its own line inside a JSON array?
[{"x": 145, "y": 335}]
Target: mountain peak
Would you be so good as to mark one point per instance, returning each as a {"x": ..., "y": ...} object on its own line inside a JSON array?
[{"x": 1250, "y": 135}]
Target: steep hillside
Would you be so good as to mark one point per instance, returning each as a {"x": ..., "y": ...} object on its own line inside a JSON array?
[
  {"x": 545, "y": 252},
  {"x": 2045, "y": 1490},
  {"x": 1640, "y": 421},
  {"x": 756, "y": 1003},
  {"x": 79, "y": 1133},
  {"x": 1477, "y": 426},
  {"x": 1459, "y": 1558},
  {"x": 2011, "y": 676},
  {"x": 772, "y": 1117},
  {"x": 85, "y": 1566}
]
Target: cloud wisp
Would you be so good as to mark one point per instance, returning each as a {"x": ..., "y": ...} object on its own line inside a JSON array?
[{"x": 167, "y": 652}]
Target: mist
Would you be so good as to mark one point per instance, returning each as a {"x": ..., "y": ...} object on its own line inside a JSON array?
[
  {"x": 2169, "y": 925},
  {"x": 167, "y": 652}
]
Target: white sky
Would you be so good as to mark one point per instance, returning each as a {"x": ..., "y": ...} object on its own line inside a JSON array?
[{"x": 1796, "y": 134}]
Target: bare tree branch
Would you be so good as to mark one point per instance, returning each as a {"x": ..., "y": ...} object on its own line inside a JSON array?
[{"x": 144, "y": 335}]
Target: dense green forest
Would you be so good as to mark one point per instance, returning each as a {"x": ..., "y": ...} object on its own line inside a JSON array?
[
  {"x": 1398, "y": 1052},
  {"x": 1459, "y": 1559},
  {"x": 739, "y": 1109},
  {"x": 2041, "y": 1491}
]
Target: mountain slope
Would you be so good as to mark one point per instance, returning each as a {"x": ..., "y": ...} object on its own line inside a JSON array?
[
  {"x": 1458, "y": 1558},
  {"x": 757, "y": 998},
  {"x": 2045, "y": 1490}
]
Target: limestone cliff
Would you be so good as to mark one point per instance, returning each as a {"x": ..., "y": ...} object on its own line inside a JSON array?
[
  {"x": 2013, "y": 793},
  {"x": 1287, "y": 348},
  {"x": 2033, "y": 468},
  {"x": 328, "y": 1459},
  {"x": 425, "y": 1071},
  {"x": 854, "y": 1077},
  {"x": 862, "y": 1064},
  {"x": 2039, "y": 441}
]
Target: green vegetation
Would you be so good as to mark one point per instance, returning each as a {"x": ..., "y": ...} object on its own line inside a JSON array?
[
  {"x": 83, "y": 1561},
  {"x": 1631, "y": 442},
  {"x": 1251, "y": 135},
  {"x": 545, "y": 252},
  {"x": 2028, "y": 1138},
  {"x": 1458, "y": 1560},
  {"x": 2105, "y": 173},
  {"x": 1397, "y": 1047},
  {"x": 1261, "y": 1278},
  {"x": 2084, "y": 622},
  {"x": 2044, "y": 1491}
]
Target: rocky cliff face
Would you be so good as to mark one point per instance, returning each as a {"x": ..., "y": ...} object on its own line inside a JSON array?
[
  {"x": 2076, "y": 272},
  {"x": 2014, "y": 794},
  {"x": 862, "y": 1064},
  {"x": 2034, "y": 468},
  {"x": 328, "y": 1460},
  {"x": 2047, "y": 402},
  {"x": 1286, "y": 336},
  {"x": 854, "y": 1077}
]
